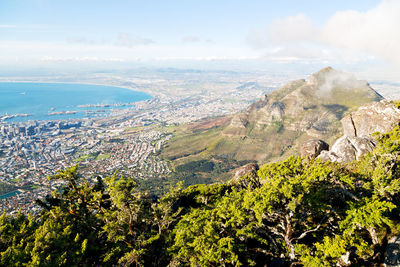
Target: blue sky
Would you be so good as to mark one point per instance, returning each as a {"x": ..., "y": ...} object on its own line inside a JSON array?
[
  {"x": 38, "y": 31},
  {"x": 162, "y": 21}
]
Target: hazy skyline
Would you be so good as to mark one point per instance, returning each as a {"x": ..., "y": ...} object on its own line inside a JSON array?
[{"x": 37, "y": 32}]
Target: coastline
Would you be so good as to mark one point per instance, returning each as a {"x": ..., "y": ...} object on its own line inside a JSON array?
[{"x": 86, "y": 107}]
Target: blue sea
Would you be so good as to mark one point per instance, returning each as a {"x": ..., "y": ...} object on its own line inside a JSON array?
[{"x": 42, "y": 99}]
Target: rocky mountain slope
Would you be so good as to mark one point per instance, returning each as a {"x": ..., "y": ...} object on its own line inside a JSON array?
[
  {"x": 312, "y": 106},
  {"x": 274, "y": 126}
]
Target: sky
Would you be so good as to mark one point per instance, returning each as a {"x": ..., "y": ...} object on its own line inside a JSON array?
[{"x": 39, "y": 32}]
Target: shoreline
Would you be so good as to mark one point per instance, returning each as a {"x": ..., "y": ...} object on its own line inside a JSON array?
[{"x": 149, "y": 97}]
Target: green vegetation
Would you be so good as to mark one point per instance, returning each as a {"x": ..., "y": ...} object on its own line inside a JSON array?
[
  {"x": 340, "y": 96},
  {"x": 295, "y": 211},
  {"x": 196, "y": 166},
  {"x": 85, "y": 157},
  {"x": 103, "y": 156},
  {"x": 16, "y": 180},
  {"x": 277, "y": 126},
  {"x": 207, "y": 144},
  {"x": 186, "y": 143},
  {"x": 219, "y": 169}
]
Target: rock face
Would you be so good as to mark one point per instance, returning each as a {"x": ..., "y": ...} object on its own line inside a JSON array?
[
  {"x": 250, "y": 168},
  {"x": 358, "y": 128},
  {"x": 312, "y": 148},
  {"x": 378, "y": 117},
  {"x": 347, "y": 149}
]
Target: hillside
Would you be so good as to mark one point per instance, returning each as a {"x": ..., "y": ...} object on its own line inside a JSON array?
[{"x": 273, "y": 127}]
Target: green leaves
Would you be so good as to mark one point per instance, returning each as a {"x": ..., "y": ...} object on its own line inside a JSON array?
[
  {"x": 226, "y": 228},
  {"x": 16, "y": 239},
  {"x": 368, "y": 213}
]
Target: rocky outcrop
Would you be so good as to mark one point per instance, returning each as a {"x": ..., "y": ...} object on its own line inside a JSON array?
[
  {"x": 247, "y": 176},
  {"x": 238, "y": 122},
  {"x": 312, "y": 148},
  {"x": 358, "y": 128},
  {"x": 378, "y": 117},
  {"x": 250, "y": 168},
  {"x": 347, "y": 149},
  {"x": 272, "y": 112}
]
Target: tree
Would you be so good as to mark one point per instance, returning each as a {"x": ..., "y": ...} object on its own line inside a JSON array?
[
  {"x": 70, "y": 223},
  {"x": 128, "y": 222},
  {"x": 223, "y": 233},
  {"x": 299, "y": 200},
  {"x": 16, "y": 239}
]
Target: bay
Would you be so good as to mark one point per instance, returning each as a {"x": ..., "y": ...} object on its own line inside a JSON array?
[{"x": 45, "y": 101}]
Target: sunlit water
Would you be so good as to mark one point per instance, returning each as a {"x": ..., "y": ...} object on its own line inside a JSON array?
[{"x": 42, "y": 99}]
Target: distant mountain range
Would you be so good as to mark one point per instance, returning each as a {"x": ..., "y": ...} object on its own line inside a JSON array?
[{"x": 274, "y": 126}]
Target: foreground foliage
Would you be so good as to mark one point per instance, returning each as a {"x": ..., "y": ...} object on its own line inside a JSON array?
[{"x": 296, "y": 211}]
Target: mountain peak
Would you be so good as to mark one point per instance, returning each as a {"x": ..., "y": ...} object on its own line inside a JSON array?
[
  {"x": 330, "y": 83},
  {"x": 331, "y": 75},
  {"x": 325, "y": 70}
]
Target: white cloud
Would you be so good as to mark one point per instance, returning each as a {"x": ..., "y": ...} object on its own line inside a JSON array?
[
  {"x": 191, "y": 39},
  {"x": 6, "y": 26},
  {"x": 347, "y": 34},
  {"x": 79, "y": 59},
  {"x": 376, "y": 31},
  {"x": 289, "y": 29},
  {"x": 122, "y": 40},
  {"x": 284, "y": 31},
  {"x": 84, "y": 40},
  {"x": 196, "y": 39},
  {"x": 130, "y": 41},
  {"x": 33, "y": 52}
]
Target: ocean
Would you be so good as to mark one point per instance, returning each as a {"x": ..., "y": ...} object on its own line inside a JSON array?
[{"x": 57, "y": 101}]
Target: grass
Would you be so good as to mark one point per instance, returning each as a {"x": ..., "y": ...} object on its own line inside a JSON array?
[
  {"x": 187, "y": 146},
  {"x": 186, "y": 143},
  {"x": 136, "y": 129},
  {"x": 103, "y": 156},
  {"x": 85, "y": 158},
  {"x": 358, "y": 98}
]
